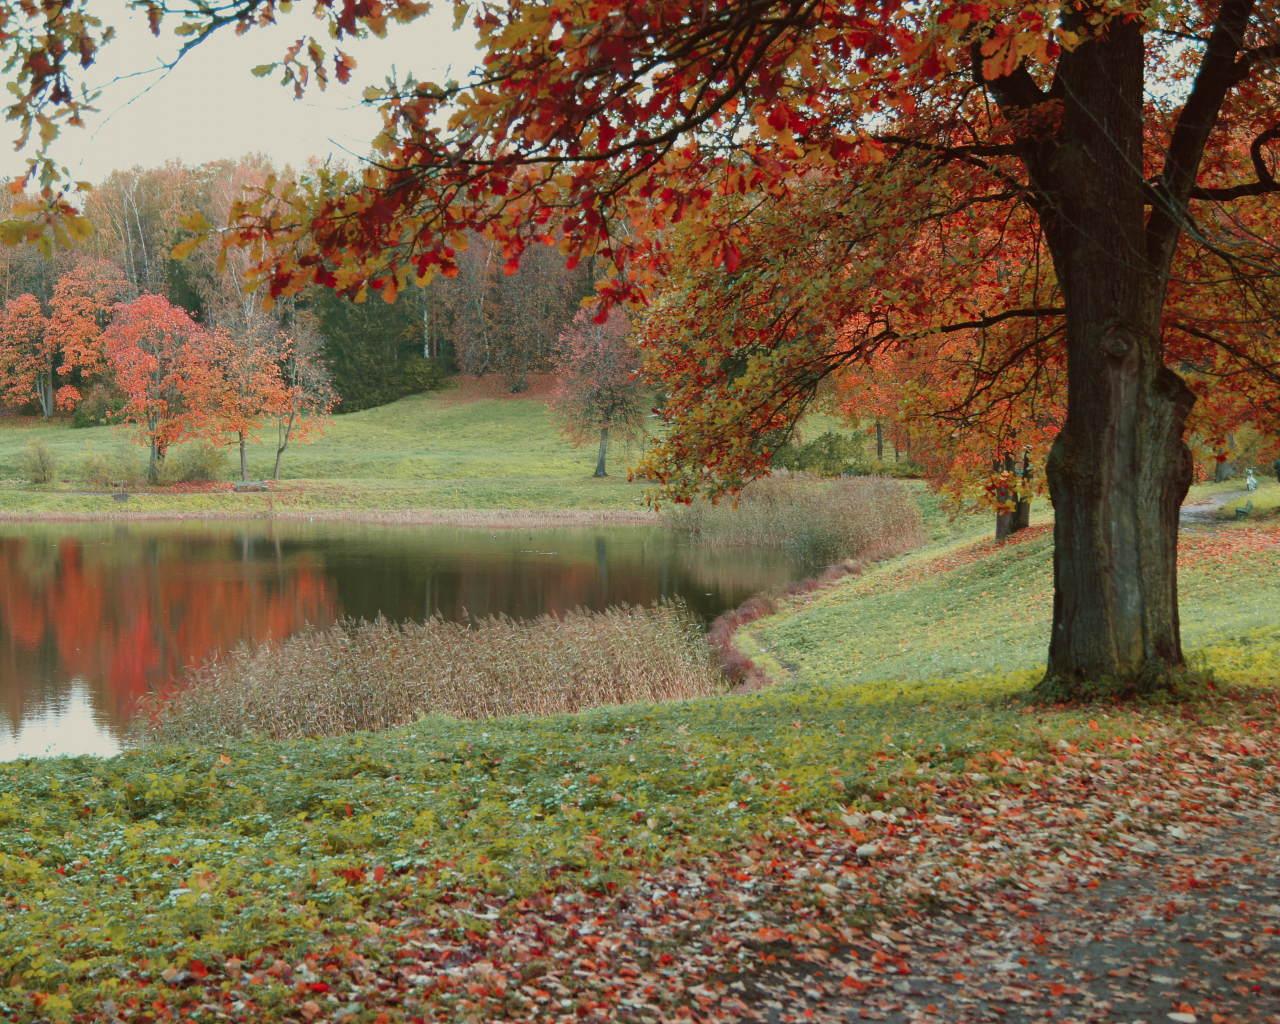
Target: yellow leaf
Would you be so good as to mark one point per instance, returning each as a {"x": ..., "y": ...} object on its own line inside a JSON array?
[
  {"x": 184, "y": 249},
  {"x": 262, "y": 70},
  {"x": 195, "y": 222}
]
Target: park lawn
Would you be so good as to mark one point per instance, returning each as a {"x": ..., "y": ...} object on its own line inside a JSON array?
[
  {"x": 425, "y": 452},
  {"x": 336, "y": 497},
  {"x": 422, "y": 437},
  {"x": 973, "y": 610},
  {"x": 1265, "y": 500}
]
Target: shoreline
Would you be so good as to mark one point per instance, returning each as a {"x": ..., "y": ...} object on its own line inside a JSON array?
[{"x": 513, "y": 519}]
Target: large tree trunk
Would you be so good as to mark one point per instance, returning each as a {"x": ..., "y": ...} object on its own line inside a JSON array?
[{"x": 1119, "y": 469}]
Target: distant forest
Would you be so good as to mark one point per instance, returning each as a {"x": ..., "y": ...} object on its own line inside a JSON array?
[{"x": 480, "y": 322}]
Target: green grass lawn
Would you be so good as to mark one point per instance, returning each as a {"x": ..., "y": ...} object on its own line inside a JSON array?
[
  {"x": 423, "y": 452},
  {"x": 975, "y": 614}
]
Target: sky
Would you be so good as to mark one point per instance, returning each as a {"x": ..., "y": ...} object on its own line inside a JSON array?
[{"x": 211, "y": 107}]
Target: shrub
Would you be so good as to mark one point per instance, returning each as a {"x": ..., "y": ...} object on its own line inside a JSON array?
[
  {"x": 39, "y": 463},
  {"x": 97, "y": 408},
  {"x": 414, "y": 375},
  {"x": 818, "y": 522},
  {"x": 828, "y": 454},
  {"x": 107, "y": 468},
  {"x": 375, "y": 675},
  {"x": 194, "y": 464}
]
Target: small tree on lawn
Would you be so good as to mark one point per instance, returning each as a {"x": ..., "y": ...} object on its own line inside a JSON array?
[
  {"x": 157, "y": 353},
  {"x": 599, "y": 389},
  {"x": 245, "y": 378},
  {"x": 306, "y": 395}
]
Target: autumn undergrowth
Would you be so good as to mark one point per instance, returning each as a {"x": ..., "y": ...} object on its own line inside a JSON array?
[
  {"x": 177, "y": 878},
  {"x": 363, "y": 676},
  {"x": 818, "y": 522}
]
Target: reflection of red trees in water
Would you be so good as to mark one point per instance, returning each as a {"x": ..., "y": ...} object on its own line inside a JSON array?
[{"x": 128, "y": 615}]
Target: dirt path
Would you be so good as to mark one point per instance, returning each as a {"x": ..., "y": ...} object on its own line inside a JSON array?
[
  {"x": 1188, "y": 931},
  {"x": 1202, "y": 512}
]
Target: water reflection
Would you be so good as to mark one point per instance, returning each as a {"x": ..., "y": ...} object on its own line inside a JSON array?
[{"x": 94, "y": 615}]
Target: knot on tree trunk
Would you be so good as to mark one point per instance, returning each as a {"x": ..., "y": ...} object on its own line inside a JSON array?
[{"x": 1118, "y": 341}]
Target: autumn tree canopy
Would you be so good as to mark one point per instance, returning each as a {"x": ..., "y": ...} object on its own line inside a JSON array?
[
  {"x": 1118, "y": 158},
  {"x": 599, "y": 387}
]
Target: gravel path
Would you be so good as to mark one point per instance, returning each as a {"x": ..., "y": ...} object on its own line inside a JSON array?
[{"x": 1187, "y": 930}]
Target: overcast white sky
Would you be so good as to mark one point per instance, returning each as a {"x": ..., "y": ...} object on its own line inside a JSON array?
[{"x": 211, "y": 107}]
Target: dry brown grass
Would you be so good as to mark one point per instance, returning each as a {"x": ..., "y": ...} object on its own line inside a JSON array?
[
  {"x": 819, "y": 522},
  {"x": 376, "y": 675}
]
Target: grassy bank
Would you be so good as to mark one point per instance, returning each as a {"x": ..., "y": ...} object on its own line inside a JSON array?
[
  {"x": 975, "y": 611},
  {"x": 632, "y": 860}
]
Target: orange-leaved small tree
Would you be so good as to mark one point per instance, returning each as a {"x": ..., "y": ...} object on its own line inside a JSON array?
[
  {"x": 29, "y": 354},
  {"x": 161, "y": 364},
  {"x": 306, "y": 396},
  {"x": 600, "y": 388},
  {"x": 83, "y": 301},
  {"x": 245, "y": 378}
]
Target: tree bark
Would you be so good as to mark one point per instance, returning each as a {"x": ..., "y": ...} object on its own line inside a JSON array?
[
  {"x": 1119, "y": 469},
  {"x": 879, "y": 442},
  {"x": 244, "y": 463},
  {"x": 604, "y": 444}
]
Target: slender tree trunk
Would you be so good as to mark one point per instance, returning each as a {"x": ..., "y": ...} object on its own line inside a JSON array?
[
  {"x": 1022, "y": 510},
  {"x": 879, "y": 442},
  {"x": 244, "y": 463},
  {"x": 283, "y": 437},
  {"x": 604, "y": 444},
  {"x": 1119, "y": 469},
  {"x": 153, "y": 474}
]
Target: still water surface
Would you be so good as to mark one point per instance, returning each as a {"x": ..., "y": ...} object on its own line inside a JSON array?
[{"x": 93, "y": 615}]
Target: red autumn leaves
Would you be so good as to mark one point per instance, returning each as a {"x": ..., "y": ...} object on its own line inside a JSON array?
[{"x": 180, "y": 380}]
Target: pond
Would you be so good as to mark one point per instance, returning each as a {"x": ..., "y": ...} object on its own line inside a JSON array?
[{"x": 93, "y": 615}]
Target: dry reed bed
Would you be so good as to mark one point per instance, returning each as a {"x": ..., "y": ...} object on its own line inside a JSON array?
[
  {"x": 376, "y": 675},
  {"x": 817, "y": 521}
]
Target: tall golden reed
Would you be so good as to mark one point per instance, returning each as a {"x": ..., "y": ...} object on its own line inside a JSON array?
[{"x": 375, "y": 675}]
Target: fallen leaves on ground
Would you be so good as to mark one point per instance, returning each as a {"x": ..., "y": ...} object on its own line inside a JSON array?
[{"x": 970, "y": 900}]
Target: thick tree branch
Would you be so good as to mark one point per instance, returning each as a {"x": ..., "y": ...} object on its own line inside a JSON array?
[
  {"x": 1216, "y": 76},
  {"x": 1266, "y": 370},
  {"x": 1265, "y": 184}
]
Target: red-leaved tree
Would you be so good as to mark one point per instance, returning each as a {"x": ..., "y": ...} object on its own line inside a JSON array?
[
  {"x": 599, "y": 387},
  {"x": 159, "y": 357},
  {"x": 29, "y": 355},
  {"x": 244, "y": 378}
]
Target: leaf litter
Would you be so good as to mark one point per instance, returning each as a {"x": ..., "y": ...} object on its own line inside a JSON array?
[{"x": 1127, "y": 873}]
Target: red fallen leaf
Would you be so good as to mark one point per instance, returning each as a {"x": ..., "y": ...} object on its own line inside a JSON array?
[
  {"x": 317, "y": 986},
  {"x": 310, "y": 1009},
  {"x": 1056, "y": 989},
  {"x": 595, "y": 780},
  {"x": 1093, "y": 726},
  {"x": 379, "y": 873},
  {"x": 198, "y": 969},
  {"x": 1122, "y": 972}
]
